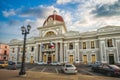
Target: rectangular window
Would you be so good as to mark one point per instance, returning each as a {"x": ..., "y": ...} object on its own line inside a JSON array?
[
  {"x": 92, "y": 45},
  {"x": 32, "y": 48},
  {"x": 70, "y": 45},
  {"x": 109, "y": 43},
  {"x": 84, "y": 45}
]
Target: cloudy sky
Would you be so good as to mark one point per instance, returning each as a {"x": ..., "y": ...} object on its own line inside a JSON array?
[{"x": 79, "y": 15}]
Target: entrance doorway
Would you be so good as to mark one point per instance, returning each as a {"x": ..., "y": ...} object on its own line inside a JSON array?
[
  {"x": 44, "y": 58},
  {"x": 111, "y": 59},
  {"x": 85, "y": 59},
  {"x": 93, "y": 58},
  {"x": 71, "y": 58},
  {"x": 31, "y": 59},
  {"x": 49, "y": 59}
]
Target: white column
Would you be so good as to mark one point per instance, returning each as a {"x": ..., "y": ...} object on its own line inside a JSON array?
[
  {"x": 36, "y": 53},
  {"x": 103, "y": 51},
  {"x": 61, "y": 52},
  {"x": 56, "y": 51},
  {"x": 40, "y": 53},
  {"x": 77, "y": 50},
  {"x": 65, "y": 52},
  {"x": 118, "y": 50}
]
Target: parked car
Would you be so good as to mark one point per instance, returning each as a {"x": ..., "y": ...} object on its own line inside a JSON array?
[
  {"x": 55, "y": 63},
  {"x": 77, "y": 63},
  {"x": 3, "y": 64},
  {"x": 109, "y": 70},
  {"x": 41, "y": 62},
  {"x": 13, "y": 66},
  {"x": 94, "y": 64},
  {"x": 69, "y": 68}
]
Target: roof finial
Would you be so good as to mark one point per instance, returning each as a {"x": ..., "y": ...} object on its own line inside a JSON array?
[{"x": 54, "y": 12}]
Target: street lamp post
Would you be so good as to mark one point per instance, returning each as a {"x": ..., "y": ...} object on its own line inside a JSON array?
[{"x": 25, "y": 31}]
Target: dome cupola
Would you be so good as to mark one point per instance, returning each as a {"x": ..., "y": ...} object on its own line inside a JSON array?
[{"x": 53, "y": 19}]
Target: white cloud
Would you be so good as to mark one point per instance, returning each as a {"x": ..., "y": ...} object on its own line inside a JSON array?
[
  {"x": 83, "y": 20},
  {"x": 67, "y": 16},
  {"x": 105, "y": 1},
  {"x": 11, "y": 12},
  {"x": 84, "y": 1},
  {"x": 63, "y": 1}
]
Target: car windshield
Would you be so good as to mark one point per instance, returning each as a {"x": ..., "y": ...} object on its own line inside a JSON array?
[
  {"x": 69, "y": 65},
  {"x": 114, "y": 66}
]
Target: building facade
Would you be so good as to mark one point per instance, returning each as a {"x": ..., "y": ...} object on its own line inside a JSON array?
[
  {"x": 4, "y": 52},
  {"x": 69, "y": 46}
]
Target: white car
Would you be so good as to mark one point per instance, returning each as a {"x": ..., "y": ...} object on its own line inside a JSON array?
[
  {"x": 69, "y": 68},
  {"x": 55, "y": 63},
  {"x": 41, "y": 62}
]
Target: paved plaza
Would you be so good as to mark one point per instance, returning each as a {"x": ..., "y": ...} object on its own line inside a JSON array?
[{"x": 33, "y": 75}]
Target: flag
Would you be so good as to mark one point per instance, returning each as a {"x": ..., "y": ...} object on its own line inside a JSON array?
[{"x": 52, "y": 45}]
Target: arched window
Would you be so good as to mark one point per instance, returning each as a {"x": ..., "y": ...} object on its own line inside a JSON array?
[{"x": 50, "y": 33}]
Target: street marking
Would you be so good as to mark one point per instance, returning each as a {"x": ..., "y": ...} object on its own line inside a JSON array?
[
  {"x": 33, "y": 68},
  {"x": 57, "y": 70},
  {"x": 43, "y": 69}
]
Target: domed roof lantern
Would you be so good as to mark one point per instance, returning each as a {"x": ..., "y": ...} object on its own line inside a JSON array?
[
  {"x": 54, "y": 17},
  {"x": 54, "y": 12}
]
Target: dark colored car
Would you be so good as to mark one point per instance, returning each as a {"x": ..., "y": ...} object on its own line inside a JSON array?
[
  {"x": 109, "y": 70},
  {"x": 13, "y": 66}
]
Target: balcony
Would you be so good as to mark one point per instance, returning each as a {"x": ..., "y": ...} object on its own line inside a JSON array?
[{"x": 48, "y": 50}]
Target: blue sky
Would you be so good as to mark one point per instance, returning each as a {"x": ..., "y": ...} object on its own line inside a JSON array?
[{"x": 79, "y": 15}]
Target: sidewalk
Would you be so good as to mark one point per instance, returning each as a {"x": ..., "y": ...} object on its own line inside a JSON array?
[{"x": 31, "y": 75}]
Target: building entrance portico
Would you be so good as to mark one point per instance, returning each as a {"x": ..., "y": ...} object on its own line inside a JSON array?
[{"x": 48, "y": 57}]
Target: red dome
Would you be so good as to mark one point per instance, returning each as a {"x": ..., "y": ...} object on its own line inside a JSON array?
[{"x": 54, "y": 17}]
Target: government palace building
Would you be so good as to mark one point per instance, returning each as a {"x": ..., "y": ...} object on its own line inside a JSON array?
[{"x": 55, "y": 43}]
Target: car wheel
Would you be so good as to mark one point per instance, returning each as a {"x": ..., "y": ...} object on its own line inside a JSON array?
[{"x": 109, "y": 74}]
